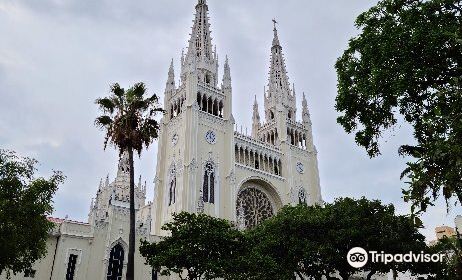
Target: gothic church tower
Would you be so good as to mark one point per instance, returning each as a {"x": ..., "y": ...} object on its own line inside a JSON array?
[
  {"x": 196, "y": 132},
  {"x": 204, "y": 166}
]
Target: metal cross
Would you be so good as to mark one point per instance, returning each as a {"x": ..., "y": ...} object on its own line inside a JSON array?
[{"x": 274, "y": 22}]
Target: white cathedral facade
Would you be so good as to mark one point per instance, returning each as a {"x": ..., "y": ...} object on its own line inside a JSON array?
[{"x": 203, "y": 166}]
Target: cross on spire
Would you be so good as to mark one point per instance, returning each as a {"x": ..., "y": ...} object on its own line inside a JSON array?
[{"x": 274, "y": 22}]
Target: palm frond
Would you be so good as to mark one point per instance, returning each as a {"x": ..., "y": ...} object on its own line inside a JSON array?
[
  {"x": 103, "y": 121},
  {"x": 139, "y": 89},
  {"x": 117, "y": 90},
  {"x": 106, "y": 104},
  {"x": 154, "y": 99}
]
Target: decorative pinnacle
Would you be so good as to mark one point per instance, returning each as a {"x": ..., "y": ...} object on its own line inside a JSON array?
[
  {"x": 274, "y": 22},
  {"x": 276, "y": 38},
  {"x": 170, "y": 70}
]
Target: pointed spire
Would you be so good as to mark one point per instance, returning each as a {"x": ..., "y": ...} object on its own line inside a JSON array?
[
  {"x": 278, "y": 80},
  {"x": 139, "y": 183},
  {"x": 305, "y": 112},
  {"x": 107, "y": 181},
  {"x": 280, "y": 93},
  {"x": 170, "y": 86},
  {"x": 275, "y": 38},
  {"x": 200, "y": 43},
  {"x": 256, "y": 115},
  {"x": 255, "y": 119},
  {"x": 226, "y": 75},
  {"x": 124, "y": 166}
]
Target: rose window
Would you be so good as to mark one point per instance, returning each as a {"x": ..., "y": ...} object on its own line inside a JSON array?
[{"x": 253, "y": 207}]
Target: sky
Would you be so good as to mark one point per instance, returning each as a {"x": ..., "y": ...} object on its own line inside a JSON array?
[{"x": 58, "y": 56}]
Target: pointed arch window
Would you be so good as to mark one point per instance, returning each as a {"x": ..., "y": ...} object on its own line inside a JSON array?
[
  {"x": 301, "y": 196},
  {"x": 172, "y": 187},
  {"x": 116, "y": 263},
  {"x": 208, "y": 187}
]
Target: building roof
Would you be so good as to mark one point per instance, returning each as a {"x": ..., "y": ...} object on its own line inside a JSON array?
[{"x": 60, "y": 221}]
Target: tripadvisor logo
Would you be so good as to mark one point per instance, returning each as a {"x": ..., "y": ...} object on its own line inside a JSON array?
[{"x": 358, "y": 257}]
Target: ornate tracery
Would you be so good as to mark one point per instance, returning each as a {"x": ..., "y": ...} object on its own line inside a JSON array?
[{"x": 253, "y": 207}]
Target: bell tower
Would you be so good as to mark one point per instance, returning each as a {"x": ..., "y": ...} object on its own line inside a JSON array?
[{"x": 195, "y": 156}]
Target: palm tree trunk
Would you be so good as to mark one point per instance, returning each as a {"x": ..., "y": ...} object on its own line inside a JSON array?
[
  {"x": 131, "y": 239},
  {"x": 370, "y": 274}
]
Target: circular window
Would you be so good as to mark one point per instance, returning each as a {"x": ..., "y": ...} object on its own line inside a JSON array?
[{"x": 253, "y": 207}]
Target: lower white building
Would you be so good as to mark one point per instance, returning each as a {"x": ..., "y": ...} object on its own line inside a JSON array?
[{"x": 97, "y": 249}]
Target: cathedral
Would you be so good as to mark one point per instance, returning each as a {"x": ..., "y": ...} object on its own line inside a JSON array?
[{"x": 204, "y": 165}]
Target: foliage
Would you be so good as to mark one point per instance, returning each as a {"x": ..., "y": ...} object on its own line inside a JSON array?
[
  {"x": 372, "y": 226},
  {"x": 25, "y": 202},
  {"x": 202, "y": 246},
  {"x": 451, "y": 268},
  {"x": 314, "y": 241},
  {"x": 300, "y": 241},
  {"x": 129, "y": 122},
  {"x": 128, "y": 118},
  {"x": 288, "y": 245},
  {"x": 406, "y": 63}
]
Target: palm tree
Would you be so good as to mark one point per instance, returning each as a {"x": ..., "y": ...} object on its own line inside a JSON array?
[{"x": 128, "y": 120}]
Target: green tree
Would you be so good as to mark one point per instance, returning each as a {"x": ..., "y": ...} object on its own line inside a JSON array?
[
  {"x": 313, "y": 241},
  {"x": 200, "y": 246},
  {"x": 370, "y": 225},
  {"x": 288, "y": 245},
  {"x": 451, "y": 267},
  {"x": 129, "y": 122},
  {"x": 406, "y": 63},
  {"x": 25, "y": 202}
]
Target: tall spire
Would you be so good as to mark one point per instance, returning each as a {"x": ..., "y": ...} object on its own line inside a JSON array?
[
  {"x": 255, "y": 119},
  {"x": 305, "y": 112},
  {"x": 278, "y": 79},
  {"x": 226, "y": 75},
  {"x": 171, "y": 78},
  {"x": 201, "y": 55},
  {"x": 200, "y": 43},
  {"x": 280, "y": 97}
]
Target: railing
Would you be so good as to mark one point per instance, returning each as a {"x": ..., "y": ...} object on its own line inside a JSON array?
[
  {"x": 211, "y": 89},
  {"x": 256, "y": 143}
]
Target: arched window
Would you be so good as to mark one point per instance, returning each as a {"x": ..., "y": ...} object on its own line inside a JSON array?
[
  {"x": 208, "y": 187},
  {"x": 301, "y": 196},
  {"x": 116, "y": 263},
  {"x": 172, "y": 187}
]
